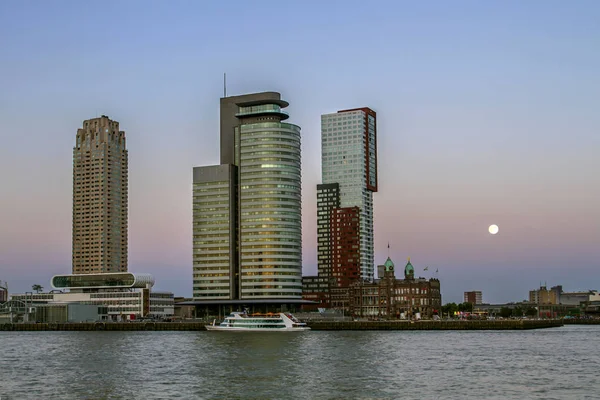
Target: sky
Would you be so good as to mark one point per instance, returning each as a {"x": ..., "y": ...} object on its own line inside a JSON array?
[{"x": 487, "y": 114}]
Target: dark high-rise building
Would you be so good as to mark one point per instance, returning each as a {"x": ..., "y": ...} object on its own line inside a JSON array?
[
  {"x": 100, "y": 197},
  {"x": 345, "y": 243},
  {"x": 247, "y": 223},
  {"x": 328, "y": 199}
]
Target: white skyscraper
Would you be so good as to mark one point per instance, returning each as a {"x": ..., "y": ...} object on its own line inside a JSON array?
[{"x": 349, "y": 158}]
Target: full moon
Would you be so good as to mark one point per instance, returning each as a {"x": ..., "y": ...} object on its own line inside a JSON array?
[{"x": 493, "y": 229}]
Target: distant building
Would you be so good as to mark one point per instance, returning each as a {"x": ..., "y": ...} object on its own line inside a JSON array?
[
  {"x": 3, "y": 292},
  {"x": 546, "y": 310},
  {"x": 592, "y": 308},
  {"x": 555, "y": 295},
  {"x": 473, "y": 297},
  {"x": 100, "y": 184},
  {"x": 316, "y": 289},
  {"x": 576, "y": 298},
  {"x": 125, "y": 295},
  {"x": 396, "y": 298},
  {"x": 546, "y": 296},
  {"x": 69, "y": 312},
  {"x": 183, "y": 311}
]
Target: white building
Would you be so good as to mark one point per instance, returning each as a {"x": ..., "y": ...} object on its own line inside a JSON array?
[
  {"x": 349, "y": 158},
  {"x": 126, "y": 296},
  {"x": 576, "y": 298}
]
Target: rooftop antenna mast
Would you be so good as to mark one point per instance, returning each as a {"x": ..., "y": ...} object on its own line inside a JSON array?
[{"x": 224, "y": 84}]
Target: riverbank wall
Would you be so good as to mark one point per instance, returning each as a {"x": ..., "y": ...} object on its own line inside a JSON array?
[
  {"x": 458, "y": 325},
  {"x": 315, "y": 325},
  {"x": 575, "y": 321},
  {"x": 105, "y": 326}
]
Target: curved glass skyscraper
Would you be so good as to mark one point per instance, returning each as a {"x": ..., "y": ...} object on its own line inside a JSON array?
[{"x": 247, "y": 211}]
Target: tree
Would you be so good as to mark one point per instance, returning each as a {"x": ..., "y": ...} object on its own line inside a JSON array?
[
  {"x": 517, "y": 312},
  {"x": 531, "y": 312},
  {"x": 465, "y": 307},
  {"x": 505, "y": 312},
  {"x": 449, "y": 309},
  {"x": 37, "y": 288}
]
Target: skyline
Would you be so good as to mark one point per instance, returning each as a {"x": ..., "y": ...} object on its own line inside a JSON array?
[{"x": 486, "y": 115}]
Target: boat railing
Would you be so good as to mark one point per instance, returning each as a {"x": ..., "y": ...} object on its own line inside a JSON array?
[{"x": 261, "y": 315}]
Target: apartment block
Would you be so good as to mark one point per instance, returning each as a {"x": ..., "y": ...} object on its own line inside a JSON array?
[
  {"x": 473, "y": 297},
  {"x": 100, "y": 198}
]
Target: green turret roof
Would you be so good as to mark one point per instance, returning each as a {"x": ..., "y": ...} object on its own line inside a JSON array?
[
  {"x": 409, "y": 270},
  {"x": 389, "y": 264}
]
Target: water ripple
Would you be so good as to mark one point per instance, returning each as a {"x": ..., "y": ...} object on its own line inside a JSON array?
[{"x": 546, "y": 364}]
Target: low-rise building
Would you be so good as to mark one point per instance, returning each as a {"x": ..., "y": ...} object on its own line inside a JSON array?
[
  {"x": 592, "y": 308},
  {"x": 184, "y": 311},
  {"x": 317, "y": 290},
  {"x": 125, "y": 295},
  {"x": 576, "y": 298},
  {"x": 71, "y": 312},
  {"x": 525, "y": 309}
]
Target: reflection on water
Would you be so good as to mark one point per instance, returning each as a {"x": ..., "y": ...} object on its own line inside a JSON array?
[{"x": 552, "y": 363}]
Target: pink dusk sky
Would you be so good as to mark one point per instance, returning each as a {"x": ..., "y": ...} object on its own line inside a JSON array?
[{"x": 485, "y": 116}]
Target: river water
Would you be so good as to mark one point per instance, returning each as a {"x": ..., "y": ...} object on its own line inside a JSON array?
[{"x": 557, "y": 363}]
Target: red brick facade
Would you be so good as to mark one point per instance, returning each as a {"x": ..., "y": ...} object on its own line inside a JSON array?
[{"x": 345, "y": 235}]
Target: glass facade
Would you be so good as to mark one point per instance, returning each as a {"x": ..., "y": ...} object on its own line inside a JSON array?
[
  {"x": 260, "y": 109},
  {"x": 211, "y": 246},
  {"x": 270, "y": 210},
  {"x": 349, "y": 158},
  {"x": 93, "y": 281},
  {"x": 114, "y": 301},
  {"x": 248, "y": 226}
]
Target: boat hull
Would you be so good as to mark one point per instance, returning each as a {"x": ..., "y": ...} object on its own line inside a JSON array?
[{"x": 229, "y": 329}]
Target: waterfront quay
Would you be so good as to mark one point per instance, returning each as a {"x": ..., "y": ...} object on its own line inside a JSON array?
[
  {"x": 428, "y": 325},
  {"x": 582, "y": 321},
  {"x": 105, "y": 326},
  {"x": 314, "y": 325}
]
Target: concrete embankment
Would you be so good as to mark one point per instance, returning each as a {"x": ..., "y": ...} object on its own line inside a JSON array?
[
  {"x": 434, "y": 325},
  {"x": 574, "y": 321},
  {"x": 315, "y": 325},
  {"x": 105, "y": 326}
]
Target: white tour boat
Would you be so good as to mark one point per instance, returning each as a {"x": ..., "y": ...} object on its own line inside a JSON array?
[{"x": 271, "y": 322}]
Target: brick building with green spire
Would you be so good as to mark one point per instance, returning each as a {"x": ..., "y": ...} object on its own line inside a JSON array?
[{"x": 393, "y": 298}]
